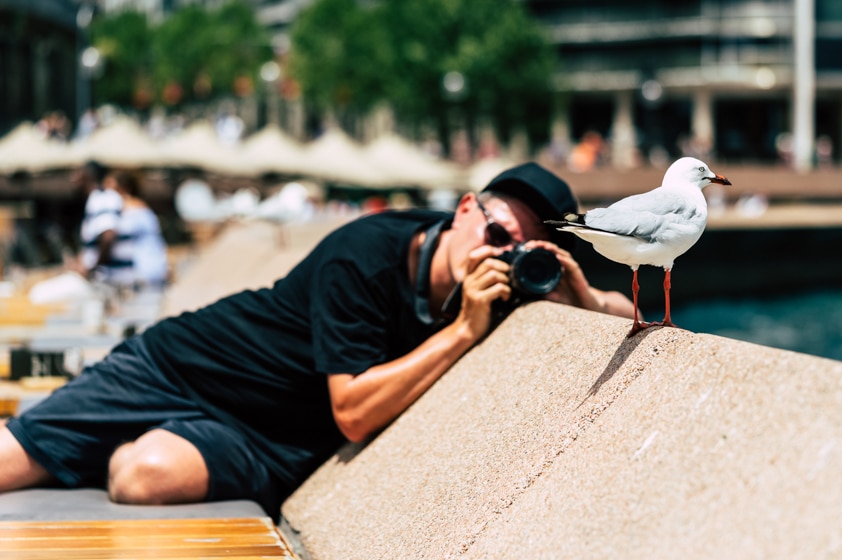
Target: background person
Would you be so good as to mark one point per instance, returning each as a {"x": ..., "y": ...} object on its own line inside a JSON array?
[
  {"x": 138, "y": 255},
  {"x": 98, "y": 229}
]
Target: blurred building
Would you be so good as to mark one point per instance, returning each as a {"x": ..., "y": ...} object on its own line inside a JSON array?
[
  {"x": 38, "y": 45},
  {"x": 746, "y": 79}
]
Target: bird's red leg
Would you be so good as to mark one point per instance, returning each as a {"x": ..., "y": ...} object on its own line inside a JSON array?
[
  {"x": 638, "y": 326},
  {"x": 667, "y": 322}
]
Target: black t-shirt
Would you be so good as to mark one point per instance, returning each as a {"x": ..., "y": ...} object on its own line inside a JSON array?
[{"x": 259, "y": 359}]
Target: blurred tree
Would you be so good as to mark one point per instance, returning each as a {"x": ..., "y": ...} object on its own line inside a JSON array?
[
  {"x": 124, "y": 41},
  {"x": 182, "y": 49},
  {"x": 194, "y": 55},
  {"x": 497, "y": 61},
  {"x": 339, "y": 57},
  {"x": 210, "y": 53}
]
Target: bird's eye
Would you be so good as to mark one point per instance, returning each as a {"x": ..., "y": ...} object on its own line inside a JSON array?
[{"x": 701, "y": 169}]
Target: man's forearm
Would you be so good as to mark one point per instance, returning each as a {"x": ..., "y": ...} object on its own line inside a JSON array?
[
  {"x": 618, "y": 304},
  {"x": 368, "y": 402}
]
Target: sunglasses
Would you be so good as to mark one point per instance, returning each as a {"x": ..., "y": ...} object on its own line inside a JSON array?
[{"x": 495, "y": 234}]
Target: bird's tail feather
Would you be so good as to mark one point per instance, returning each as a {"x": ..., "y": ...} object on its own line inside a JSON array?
[{"x": 571, "y": 218}]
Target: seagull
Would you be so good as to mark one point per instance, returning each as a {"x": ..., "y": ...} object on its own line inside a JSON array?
[{"x": 651, "y": 228}]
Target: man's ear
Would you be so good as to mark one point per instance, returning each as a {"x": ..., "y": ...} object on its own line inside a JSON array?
[{"x": 466, "y": 204}]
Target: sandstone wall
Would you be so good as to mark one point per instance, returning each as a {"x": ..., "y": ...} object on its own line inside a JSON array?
[{"x": 558, "y": 437}]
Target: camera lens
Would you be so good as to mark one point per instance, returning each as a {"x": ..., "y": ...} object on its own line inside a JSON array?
[{"x": 536, "y": 272}]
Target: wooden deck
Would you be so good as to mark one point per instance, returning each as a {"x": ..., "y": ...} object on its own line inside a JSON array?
[{"x": 243, "y": 538}]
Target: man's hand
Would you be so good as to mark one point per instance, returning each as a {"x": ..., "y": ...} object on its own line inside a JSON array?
[{"x": 487, "y": 280}]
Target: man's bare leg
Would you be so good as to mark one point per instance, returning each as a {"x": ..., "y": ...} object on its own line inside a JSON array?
[
  {"x": 157, "y": 468},
  {"x": 17, "y": 468}
]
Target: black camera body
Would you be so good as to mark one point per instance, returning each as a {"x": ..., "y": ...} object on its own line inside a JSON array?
[{"x": 534, "y": 273}]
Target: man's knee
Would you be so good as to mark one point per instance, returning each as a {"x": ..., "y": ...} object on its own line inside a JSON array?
[
  {"x": 157, "y": 472},
  {"x": 132, "y": 475}
]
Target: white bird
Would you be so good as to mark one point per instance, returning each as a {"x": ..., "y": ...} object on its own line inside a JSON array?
[{"x": 651, "y": 228}]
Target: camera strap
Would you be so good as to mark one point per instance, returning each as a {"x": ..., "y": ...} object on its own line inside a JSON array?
[
  {"x": 422, "y": 276},
  {"x": 453, "y": 303}
]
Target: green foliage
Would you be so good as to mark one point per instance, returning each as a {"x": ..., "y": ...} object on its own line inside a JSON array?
[
  {"x": 124, "y": 41},
  {"x": 182, "y": 48},
  {"x": 399, "y": 51},
  {"x": 193, "y": 55},
  {"x": 339, "y": 57},
  {"x": 347, "y": 56}
]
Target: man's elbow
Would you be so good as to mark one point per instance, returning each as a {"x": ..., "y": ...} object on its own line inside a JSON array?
[{"x": 352, "y": 425}]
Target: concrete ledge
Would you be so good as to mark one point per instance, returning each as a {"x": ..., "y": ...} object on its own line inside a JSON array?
[{"x": 559, "y": 437}]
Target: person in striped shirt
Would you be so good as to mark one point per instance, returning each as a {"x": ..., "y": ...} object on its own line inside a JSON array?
[
  {"x": 99, "y": 224},
  {"x": 138, "y": 254}
]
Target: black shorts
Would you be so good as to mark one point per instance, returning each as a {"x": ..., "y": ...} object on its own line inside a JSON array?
[{"x": 73, "y": 433}]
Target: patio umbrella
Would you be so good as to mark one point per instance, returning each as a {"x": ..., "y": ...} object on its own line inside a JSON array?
[
  {"x": 272, "y": 151},
  {"x": 122, "y": 143},
  {"x": 198, "y": 146},
  {"x": 26, "y": 148},
  {"x": 406, "y": 164},
  {"x": 336, "y": 158}
]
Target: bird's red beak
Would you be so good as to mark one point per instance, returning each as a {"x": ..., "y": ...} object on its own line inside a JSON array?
[{"x": 721, "y": 180}]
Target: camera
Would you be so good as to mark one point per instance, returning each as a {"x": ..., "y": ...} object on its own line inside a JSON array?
[{"x": 534, "y": 273}]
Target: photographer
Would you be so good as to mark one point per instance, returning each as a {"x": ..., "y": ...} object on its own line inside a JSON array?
[{"x": 244, "y": 398}]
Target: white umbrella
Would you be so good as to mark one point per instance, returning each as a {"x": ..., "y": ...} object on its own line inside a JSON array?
[
  {"x": 272, "y": 151},
  {"x": 27, "y": 149},
  {"x": 405, "y": 164},
  {"x": 199, "y": 146},
  {"x": 122, "y": 143},
  {"x": 334, "y": 156}
]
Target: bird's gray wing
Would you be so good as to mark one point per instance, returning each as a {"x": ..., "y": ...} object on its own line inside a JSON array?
[{"x": 650, "y": 216}]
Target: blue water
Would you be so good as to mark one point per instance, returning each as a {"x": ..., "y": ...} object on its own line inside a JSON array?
[{"x": 806, "y": 322}]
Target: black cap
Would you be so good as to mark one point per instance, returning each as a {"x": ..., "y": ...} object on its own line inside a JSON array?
[{"x": 545, "y": 193}]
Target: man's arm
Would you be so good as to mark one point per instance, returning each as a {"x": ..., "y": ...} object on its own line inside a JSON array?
[
  {"x": 102, "y": 211},
  {"x": 368, "y": 402},
  {"x": 616, "y": 303},
  {"x": 105, "y": 244},
  {"x": 574, "y": 288}
]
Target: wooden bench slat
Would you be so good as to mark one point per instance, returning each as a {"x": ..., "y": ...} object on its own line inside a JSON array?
[
  {"x": 87, "y": 531},
  {"x": 140, "y": 553},
  {"x": 143, "y": 538}
]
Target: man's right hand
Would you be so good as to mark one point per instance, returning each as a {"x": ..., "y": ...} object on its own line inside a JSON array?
[{"x": 487, "y": 280}]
